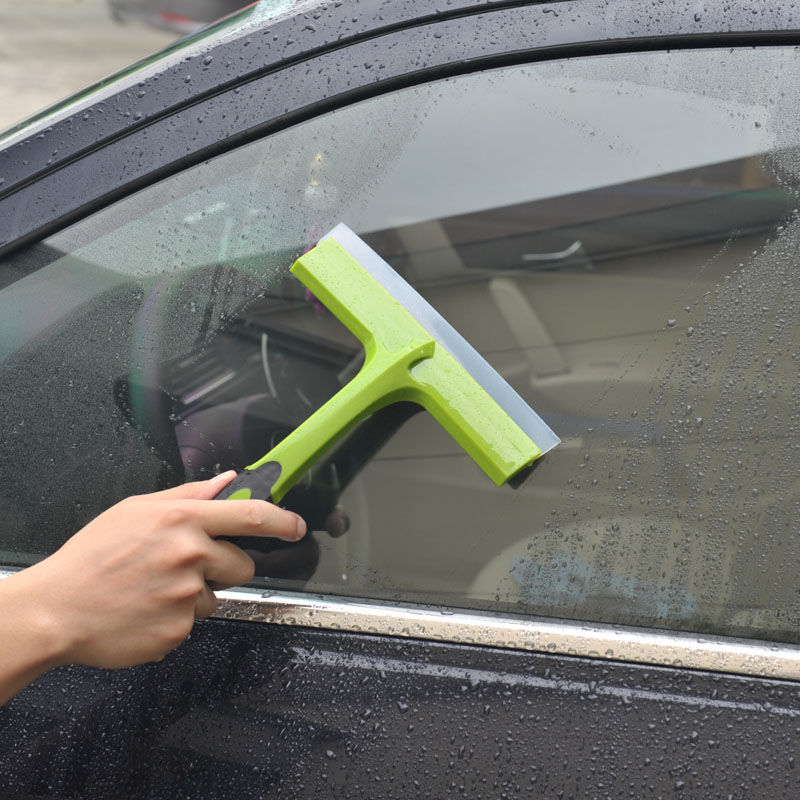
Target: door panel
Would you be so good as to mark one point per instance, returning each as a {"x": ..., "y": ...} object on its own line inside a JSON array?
[{"x": 244, "y": 710}]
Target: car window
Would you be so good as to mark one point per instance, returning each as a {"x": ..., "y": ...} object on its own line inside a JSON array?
[{"x": 617, "y": 235}]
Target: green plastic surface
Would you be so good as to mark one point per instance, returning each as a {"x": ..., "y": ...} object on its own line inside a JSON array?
[{"x": 402, "y": 362}]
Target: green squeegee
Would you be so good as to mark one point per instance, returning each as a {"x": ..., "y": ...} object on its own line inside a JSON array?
[{"x": 412, "y": 354}]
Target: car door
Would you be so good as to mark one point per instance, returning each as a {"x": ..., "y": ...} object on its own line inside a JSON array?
[{"x": 604, "y": 203}]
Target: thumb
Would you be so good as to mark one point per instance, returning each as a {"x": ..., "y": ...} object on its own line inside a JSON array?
[{"x": 196, "y": 490}]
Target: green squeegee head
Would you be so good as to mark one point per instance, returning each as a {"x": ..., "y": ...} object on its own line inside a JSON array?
[{"x": 412, "y": 354}]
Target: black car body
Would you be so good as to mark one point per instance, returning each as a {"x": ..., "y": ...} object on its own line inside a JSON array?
[{"x": 602, "y": 197}]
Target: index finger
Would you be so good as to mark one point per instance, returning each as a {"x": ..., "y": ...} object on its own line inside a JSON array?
[{"x": 245, "y": 518}]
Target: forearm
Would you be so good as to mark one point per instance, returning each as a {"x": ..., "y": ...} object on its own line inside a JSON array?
[{"x": 29, "y": 640}]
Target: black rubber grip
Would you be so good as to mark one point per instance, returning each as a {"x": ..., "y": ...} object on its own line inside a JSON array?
[{"x": 258, "y": 481}]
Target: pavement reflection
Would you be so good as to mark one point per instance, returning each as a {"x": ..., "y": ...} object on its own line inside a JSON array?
[{"x": 52, "y": 48}]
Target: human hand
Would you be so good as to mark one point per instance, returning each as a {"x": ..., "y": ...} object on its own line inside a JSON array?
[{"x": 126, "y": 588}]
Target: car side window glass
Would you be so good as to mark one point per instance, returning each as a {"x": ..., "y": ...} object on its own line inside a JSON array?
[{"x": 617, "y": 235}]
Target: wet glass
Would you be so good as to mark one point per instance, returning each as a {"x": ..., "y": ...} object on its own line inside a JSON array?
[{"x": 617, "y": 236}]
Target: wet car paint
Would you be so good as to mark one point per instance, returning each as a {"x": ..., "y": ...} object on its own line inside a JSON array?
[{"x": 247, "y": 710}]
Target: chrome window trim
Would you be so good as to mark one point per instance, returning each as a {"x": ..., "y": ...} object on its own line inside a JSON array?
[{"x": 533, "y": 634}]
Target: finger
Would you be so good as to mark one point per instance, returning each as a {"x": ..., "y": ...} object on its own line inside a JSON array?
[
  {"x": 195, "y": 490},
  {"x": 295, "y": 563},
  {"x": 228, "y": 566},
  {"x": 244, "y": 518},
  {"x": 206, "y": 604}
]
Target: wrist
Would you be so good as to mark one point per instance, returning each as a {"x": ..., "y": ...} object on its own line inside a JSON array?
[{"x": 31, "y": 628}]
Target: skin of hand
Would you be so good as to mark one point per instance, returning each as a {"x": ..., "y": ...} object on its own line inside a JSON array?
[{"x": 127, "y": 588}]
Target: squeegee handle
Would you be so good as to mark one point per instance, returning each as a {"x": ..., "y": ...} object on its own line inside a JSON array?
[
  {"x": 385, "y": 378},
  {"x": 252, "y": 483}
]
